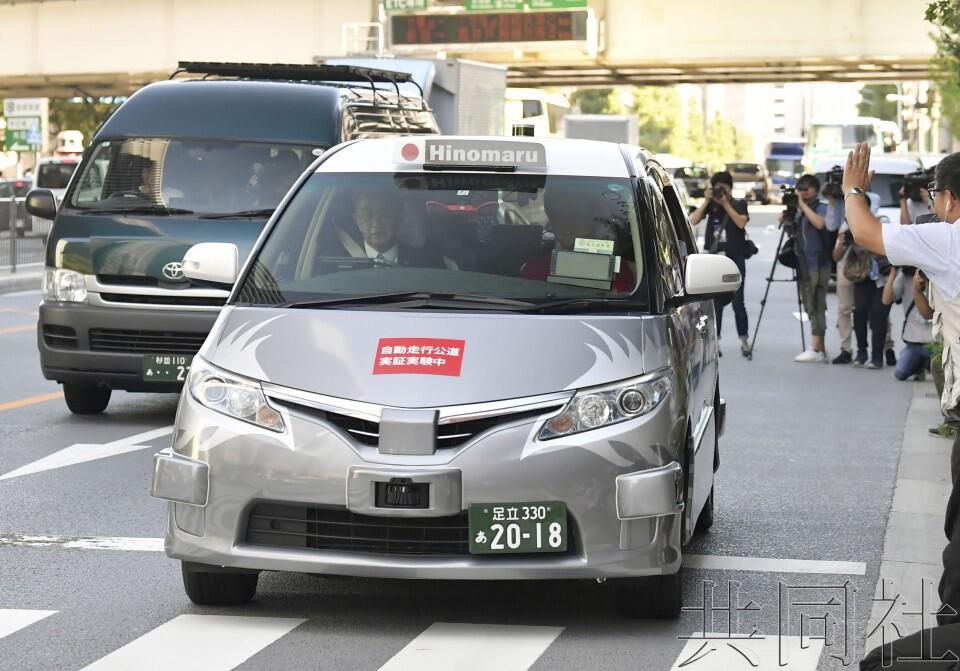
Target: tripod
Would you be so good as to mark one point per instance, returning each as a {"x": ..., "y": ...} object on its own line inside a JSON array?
[{"x": 763, "y": 301}]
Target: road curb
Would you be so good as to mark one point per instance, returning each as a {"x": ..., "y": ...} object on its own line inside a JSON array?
[{"x": 10, "y": 283}]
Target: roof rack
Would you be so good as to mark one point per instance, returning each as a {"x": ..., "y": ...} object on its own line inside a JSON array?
[{"x": 301, "y": 72}]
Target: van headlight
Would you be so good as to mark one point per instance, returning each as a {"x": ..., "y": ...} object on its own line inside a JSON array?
[
  {"x": 64, "y": 286},
  {"x": 610, "y": 404},
  {"x": 232, "y": 395}
]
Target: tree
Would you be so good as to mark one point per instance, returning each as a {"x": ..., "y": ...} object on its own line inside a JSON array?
[
  {"x": 593, "y": 101},
  {"x": 945, "y": 15},
  {"x": 659, "y": 114},
  {"x": 874, "y": 103},
  {"x": 82, "y": 114}
]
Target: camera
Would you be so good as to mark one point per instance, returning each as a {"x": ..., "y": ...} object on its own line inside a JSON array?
[
  {"x": 833, "y": 187},
  {"x": 914, "y": 183},
  {"x": 790, "y": 200},
  {"x": 719, "y": 191}
]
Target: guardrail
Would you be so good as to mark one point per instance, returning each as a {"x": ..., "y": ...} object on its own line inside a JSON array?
[{"x": 23, "y": 237}]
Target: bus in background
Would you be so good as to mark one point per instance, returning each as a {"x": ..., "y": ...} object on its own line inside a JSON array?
[
  {"x": 830, "y": 137},
  {"x": 784, "y": 161},
  {"x": 544, "y": 111}
]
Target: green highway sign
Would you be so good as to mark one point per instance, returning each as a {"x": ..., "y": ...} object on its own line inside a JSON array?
[
  {"x": 556, "y": 4},
  {"x": 406, "y": 5},
  {"x": 23, "y": 134},
  {"x": 492, "y": 5}
]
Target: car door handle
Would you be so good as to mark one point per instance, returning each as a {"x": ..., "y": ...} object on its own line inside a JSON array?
[{"x": 702, "y": 323}]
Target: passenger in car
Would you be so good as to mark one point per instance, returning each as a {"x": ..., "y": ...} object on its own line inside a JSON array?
[
  {"x": 377, "y": 218},
  {"x": 571, "y": 216}
]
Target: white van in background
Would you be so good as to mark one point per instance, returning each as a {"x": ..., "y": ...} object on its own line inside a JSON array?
[{"x": 544, "y": 111}]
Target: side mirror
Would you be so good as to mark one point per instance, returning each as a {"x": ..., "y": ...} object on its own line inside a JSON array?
[
  {"x": 41, "y": 203},
  {"x": 708, "y": 274},
  {"x": 212, "y": 263}
]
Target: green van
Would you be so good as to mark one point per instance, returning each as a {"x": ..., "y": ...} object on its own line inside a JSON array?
[{"x": 206, "y": 158}]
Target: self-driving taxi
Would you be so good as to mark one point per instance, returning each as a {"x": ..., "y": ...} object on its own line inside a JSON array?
[{"x": 455, "y": 358}]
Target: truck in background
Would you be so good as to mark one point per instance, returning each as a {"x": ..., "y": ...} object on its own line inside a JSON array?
[
  {"x": 784, "y": 161},
  {"x": 605, "y": 127},
  {"x": 545, "y": 111},
  {"x": 467, "y": 97}
]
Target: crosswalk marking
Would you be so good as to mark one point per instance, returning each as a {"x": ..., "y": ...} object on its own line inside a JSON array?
[
  {"x": 718, "y": 653},
  {"x": 83, "y": 543},
  {"x": 80, "y": 453},
  {"x": 478, "y": 647},
  {"x": 198, "y": 642},
  {"x": 774, "y": 565},
  {"x": 12, "y": 620}
]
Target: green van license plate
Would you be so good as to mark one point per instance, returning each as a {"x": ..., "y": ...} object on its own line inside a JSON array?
[
  {"x": 515, "y": 528},
  {"x": 166, "y": 367}
]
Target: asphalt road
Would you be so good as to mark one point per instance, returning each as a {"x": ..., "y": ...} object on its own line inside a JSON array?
[{"x": 807, "y": 470}]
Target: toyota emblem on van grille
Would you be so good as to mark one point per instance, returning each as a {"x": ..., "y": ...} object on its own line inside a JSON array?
[{"x": 173, "y": 270}]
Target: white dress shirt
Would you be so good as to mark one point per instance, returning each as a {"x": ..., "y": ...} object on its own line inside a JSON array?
[
  {"x": 391, "y": 256},
  {"x": 934, "y": 248}
]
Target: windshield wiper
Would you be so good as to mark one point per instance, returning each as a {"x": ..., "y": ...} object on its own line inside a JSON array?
[
  {"x": 584, "y": 304},
  {"x": 160, "y": 210},
  {"x": 420, "y": 298},
  {"x": 240, "y": 214}
]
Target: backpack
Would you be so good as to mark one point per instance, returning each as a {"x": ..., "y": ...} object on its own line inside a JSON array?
[{"x": 857, "y": 267}]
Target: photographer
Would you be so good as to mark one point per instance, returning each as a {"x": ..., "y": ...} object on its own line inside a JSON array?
[
  {"x": 727, "y": 219},
  {"x": 813, "y": 256},
  {"x": 933, "y": 248},
  {"x": 908, "y": 286},
  {"x": 914, "y": 198}
]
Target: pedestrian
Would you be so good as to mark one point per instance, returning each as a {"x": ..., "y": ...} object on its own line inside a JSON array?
[
  {"x": 934, "y": 249},
  {"x": 727, "y": 219},
  {"x": 813, "y": 260}
]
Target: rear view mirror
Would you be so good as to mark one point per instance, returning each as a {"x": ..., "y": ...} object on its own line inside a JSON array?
[
  {"x": 708, "y": 274},
  {"x": 212, "y": 263},
  {"x": 41, "y": 203}
]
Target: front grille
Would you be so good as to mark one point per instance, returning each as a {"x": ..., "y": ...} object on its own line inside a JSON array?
[
  {"x": 212, "y": 301},
  {"x": 448, "y": 435},
  {"x": 60, "y": 337},
  {"x": 114, "y": 340},
  {"x": 317, "y": 528}
]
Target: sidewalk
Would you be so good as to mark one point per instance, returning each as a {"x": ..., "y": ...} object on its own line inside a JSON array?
[
  {"x": 910, "y": 566},
  {"x": 19, "y": 281}
]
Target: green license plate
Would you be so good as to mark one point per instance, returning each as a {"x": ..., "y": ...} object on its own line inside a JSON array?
[
  {"x": 166, "y": 367},
  {"x": 514, "y": 528}
]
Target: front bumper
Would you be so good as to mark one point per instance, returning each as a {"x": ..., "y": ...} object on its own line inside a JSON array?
[
  {"x": 72, "y": 359},
  {"x": 624, "y": 504}
]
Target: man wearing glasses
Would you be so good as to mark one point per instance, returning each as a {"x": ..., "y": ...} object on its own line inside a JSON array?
[
  {"x": 814, "y": 262},
  {"x": 934, "y": 249}
]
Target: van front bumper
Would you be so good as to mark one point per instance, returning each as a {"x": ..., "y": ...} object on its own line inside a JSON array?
[
  {"x": 66, "y": 354},
  {"x": 624, "y": 517}
]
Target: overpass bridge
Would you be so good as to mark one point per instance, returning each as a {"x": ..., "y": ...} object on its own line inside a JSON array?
[{"x": 112, "y": 47}]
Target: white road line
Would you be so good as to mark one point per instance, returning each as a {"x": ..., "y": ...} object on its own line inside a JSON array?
[
  {"x": 83, "y": 452},
  {"x": 478, "y": 647},
  {"x": 718, "y": 653},
  {"x": 773, "y": 565},
  {"x": 12, "y": 620},
  {"x": 207, "y": 642},
  {"x": 81, "y": 543}
]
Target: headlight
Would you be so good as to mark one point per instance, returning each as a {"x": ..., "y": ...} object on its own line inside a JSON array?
[
  {"x": 63, "y": 286},
  {"x": 232, "y": 395},
  {"x": 602, "y": 406}
]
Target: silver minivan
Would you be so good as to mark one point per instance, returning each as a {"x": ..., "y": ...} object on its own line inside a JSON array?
[{"x": 455, "y": 358}]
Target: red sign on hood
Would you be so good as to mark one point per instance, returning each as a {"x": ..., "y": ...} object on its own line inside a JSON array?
[{"x": 419, "y": 356}]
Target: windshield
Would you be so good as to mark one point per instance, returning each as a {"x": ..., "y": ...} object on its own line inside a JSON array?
[
  {"x": 785, "y": 167},
  {"x": 839, "y": 136},
  {"x": 202, "y": 176},
  {"x": 523, "y": 237},
  {"x": 693, "y": 172},
  {"x": 744, "y": 169},
  {"x": 55, "y": 175}
]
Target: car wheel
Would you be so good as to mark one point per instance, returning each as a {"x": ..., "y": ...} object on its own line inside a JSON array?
[
  {"x": 651, "y": 597},
  {"x": 86, "y": 399},
  {"x": 705, "y": 520},
  {"x": 218, "y": 588}
]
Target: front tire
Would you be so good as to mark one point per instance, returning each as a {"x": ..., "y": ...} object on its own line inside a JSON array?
[
  {"x": 650, "y": 597},
  {"x": 86, "y": 399},
  {"x": 219, "y": 588}
]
